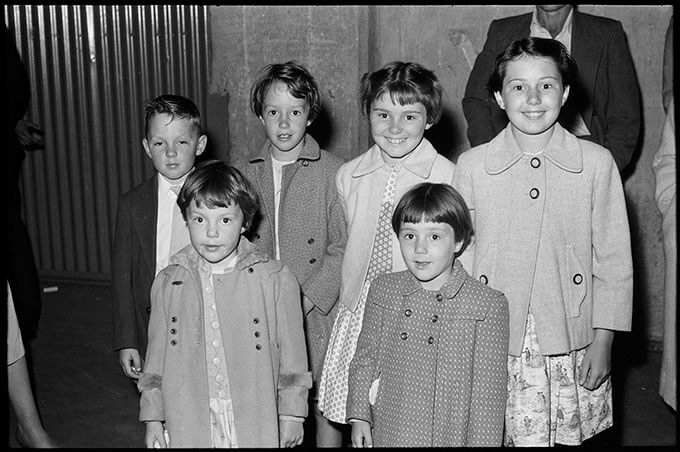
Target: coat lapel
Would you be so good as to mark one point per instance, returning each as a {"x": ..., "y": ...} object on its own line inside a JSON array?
[
  {"x": 144, "y": 213},
  {"x": 586, "y": 50}
]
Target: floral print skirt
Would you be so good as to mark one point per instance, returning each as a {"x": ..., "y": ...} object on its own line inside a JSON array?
[{"x": 546, "y": 405}]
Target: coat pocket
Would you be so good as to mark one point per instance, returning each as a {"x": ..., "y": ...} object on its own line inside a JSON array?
[{"x": 576, "y": 283}]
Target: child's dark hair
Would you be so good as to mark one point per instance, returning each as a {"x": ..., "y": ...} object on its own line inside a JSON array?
[
  {"x": 406, "y": 83},
  {"x": 175, "y": 106},
  {"x": 297, "y": 78},
  {"x": 216, "y": 184},
  {"x": 437, "y": 203},
  {"x": 537, "y": 47}
]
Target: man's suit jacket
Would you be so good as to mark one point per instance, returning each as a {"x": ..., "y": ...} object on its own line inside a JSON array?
[
  {"x": 607, "y": 94},
  {"x": 134, "y": 265}
]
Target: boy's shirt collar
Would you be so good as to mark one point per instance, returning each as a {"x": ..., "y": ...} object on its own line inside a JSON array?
[
  {"x": 420, "y": 161},
  {"x": 164, "y": 184}
]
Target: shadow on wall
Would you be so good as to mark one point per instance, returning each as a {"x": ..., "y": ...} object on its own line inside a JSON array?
[
  {"x": 322, "y": 128},
  {"x": 442, "y": 134}
]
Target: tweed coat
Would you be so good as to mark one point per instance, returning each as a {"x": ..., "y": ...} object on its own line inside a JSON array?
[
  {"x": 360, "y": 183},
  {"x": 134, "y": 264},
  {"x": 263, "y": 341},
  {"x": 312, "y": 233},
  {"x": 441, "y": 357},
  {"x": 607, "y": 94},
  {"x": 550, "y": 230}
]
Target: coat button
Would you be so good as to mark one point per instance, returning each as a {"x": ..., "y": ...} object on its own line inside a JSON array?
[
  {"x": 256, "y": 320},
  {"x": 408, "y": 313},
  {"x": 148, "y": 309},
  {"x": 534, "y": 193},
  {"x": 173, "y": 319},
  {"x": 310, "y": 241},
  {"x": 578, "y": 279},
  {"x": 258, "y": 347},
  {"x": 434, "y": 318},
  {"x": 305, "y": 163},
  {"x": 535, "y": 162},
  {"x": 312, "y": 261},
  {"x": 173, "y": 331},
  {"x": 250, "y": 269},
  {"x": 404, "y": 336},
  {"x": 430, "y": 340},
  {"x": 173, "y": 342},
  {"x": 257, "y": 334},
  {"x": 439, "y": 297},
  {"x": 256, "y": 236},
  {"x": 483, "y": 279}
]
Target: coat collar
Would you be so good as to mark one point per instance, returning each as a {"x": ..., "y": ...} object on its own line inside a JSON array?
[
  {"x": 563, "y": 150},
  {"x": 248, "y": 255},
  {"x": 310, "y": 151},
  {"x": 419, "y": 162},
  {"x": 450, "y": 287}
]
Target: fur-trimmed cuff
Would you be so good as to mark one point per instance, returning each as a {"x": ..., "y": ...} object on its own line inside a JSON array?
[
  {"x": 303, "y": 379},
  {"x": 149, "y": 381}
]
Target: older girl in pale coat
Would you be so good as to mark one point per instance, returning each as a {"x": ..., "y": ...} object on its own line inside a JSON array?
[{"x": 551, "y": 234}]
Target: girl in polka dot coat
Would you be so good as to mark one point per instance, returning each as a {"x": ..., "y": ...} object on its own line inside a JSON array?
[{"x": 430, "y": 364}]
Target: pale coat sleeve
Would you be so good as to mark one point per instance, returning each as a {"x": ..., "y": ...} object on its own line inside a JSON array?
[
  {"x": 462, "y": 182},
  {"x": 150, "y": 383},
  {"x": 294, "y": 377},
  {"x": 611, "y": 251},
  {"x": 664, "y": 164}
]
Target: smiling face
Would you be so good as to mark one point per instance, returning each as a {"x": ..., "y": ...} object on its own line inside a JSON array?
[
  {"x": 532, "y": 95},
  {"x": 285, "y": 119},
  {"x": 215, "y": 232},
  {"x": 172, "y": 145},
  {"x": 397, "y": 129},
  {"x": 429, "y": 250}
]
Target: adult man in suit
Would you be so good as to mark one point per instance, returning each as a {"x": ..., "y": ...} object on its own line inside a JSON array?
[{"x": 604, "y": 104}]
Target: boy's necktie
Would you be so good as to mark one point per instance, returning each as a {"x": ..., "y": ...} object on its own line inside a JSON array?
[{"x": 179, "y": 237}]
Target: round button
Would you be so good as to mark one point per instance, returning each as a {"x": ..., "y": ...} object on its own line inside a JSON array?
[
  {"x": 310, "y": 241},
  {"x": 257, "y": 236},
  {"x": 578, "y": 279},
  {"x": 258, "y": 347},
  {"x": 173, "y": 331},
  {"x": 430, "y": 340},
  {"x": 535, "y": 162},
  {"x": 305, "y": 163},
  {"x": 250, "y": 269},
  {"x": 534, "y": 193},
  {"x": 173, "y": 342},
  {"x": 439, "y": 297},
  {"x": 408, "y": 313},
  {"x": 483, "y": 279},
  {"x": 173, "y": 319},
  {"x": 312, "y": 260},
  {"x": 404, "y": 336},
  {"x": 256, "y": 320},
  {"x": 257, "y": 334},
  {"x": 435, "y": 318}
]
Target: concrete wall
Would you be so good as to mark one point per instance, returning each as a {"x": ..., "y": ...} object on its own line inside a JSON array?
[{"x": 338, "y": 44}]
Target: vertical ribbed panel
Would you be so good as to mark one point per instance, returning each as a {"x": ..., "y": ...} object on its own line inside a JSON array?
[{"x": 91, "y": 69}]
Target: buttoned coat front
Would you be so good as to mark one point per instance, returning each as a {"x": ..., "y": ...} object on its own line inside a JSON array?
[
  {"x": 441, "y": 357},
  {"x": 312, "y": 232},
  {"x": 550, "y": 230},
  {"x": 263, "y": 337}
]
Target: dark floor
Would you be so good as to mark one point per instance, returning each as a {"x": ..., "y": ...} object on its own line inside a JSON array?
[{"x": 86, "y": 401}]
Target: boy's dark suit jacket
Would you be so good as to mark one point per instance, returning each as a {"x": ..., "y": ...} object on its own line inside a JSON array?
[
  {"x": 607, "y": 94},
  {"x": 134, "y": 265}
]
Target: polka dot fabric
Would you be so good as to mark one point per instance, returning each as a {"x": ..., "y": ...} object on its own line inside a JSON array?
[{"x": 441, "y": 357}]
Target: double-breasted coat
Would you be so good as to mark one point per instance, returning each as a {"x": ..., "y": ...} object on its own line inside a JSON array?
[
  {"x": 551, "y": 230},
  {"x": 441, "y": 357},
  {"x": 263, "y": 337},
  {"x": 312, "y": 232}
]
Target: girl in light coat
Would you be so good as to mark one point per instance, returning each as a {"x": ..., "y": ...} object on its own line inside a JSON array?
[{"x": 551, "y": 234}]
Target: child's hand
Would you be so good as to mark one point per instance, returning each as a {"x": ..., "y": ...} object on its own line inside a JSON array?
[
  {"x": 596, "y": 363},
  {"x": 131, "y": 362},
  {"x": 291, "y": 433},
  {"x": 155, "y": 438},
  {"x": 361, "y": 434}
]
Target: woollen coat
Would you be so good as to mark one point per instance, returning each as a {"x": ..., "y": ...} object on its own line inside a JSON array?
[
  {"x": 263, "y": 337},
  {"x": 312, "y": 233},
  {"x": 441, "y": 357},
  {"x": 606, "y": 94},
  {"x": 550, "y": 230}
]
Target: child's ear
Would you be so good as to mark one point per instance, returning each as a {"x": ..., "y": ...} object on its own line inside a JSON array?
[
  {"x": 145, "y": 145},
  {"x": 243, "y": 229},
  {"x": 202, "y": 142},
  {"x": 261, "y": 119},
  {"x": 499, "y": 99},
  {"x": 458, "y": 246},
  {"x": 565, "y": 94},
  {"x": 427, "y": 126}
]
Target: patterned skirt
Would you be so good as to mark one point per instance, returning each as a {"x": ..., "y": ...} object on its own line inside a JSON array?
[
  {"x": 546, "y": 405},
  {"x": 333, "y": 387}
]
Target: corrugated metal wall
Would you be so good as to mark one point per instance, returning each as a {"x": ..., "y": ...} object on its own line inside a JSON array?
[{"x": 91, "y": 69}]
